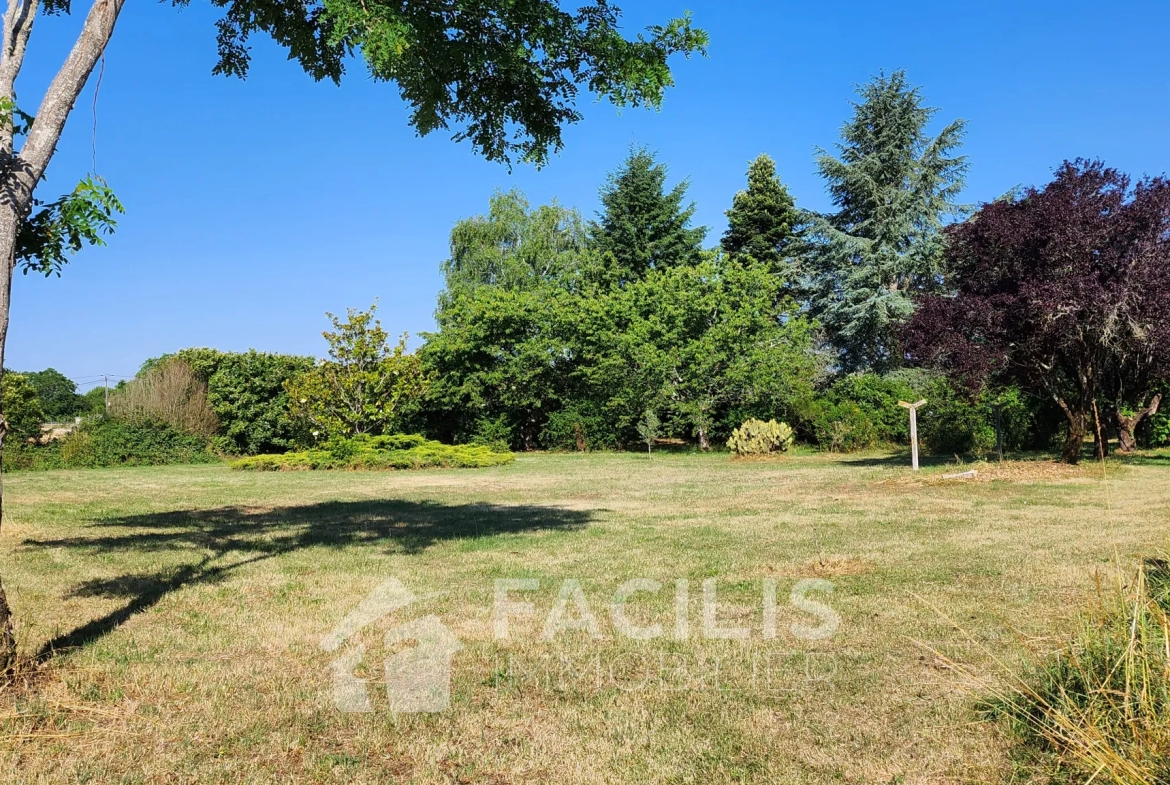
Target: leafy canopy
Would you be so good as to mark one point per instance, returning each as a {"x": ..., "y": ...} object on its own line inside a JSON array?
[
  {"x": 507, "y": 75},
  {"x": 57, "y": 393},
  {"x": 1064, "y": 291},
  {"x": 514, "y": 247}
]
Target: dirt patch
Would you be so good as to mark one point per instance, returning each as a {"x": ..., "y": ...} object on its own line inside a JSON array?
[
  {"x": 1008, "y": 471},
  {"x": 835, "y": 566}
]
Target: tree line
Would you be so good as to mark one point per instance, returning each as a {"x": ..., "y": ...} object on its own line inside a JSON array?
[{"x": 1044, "y": 310}]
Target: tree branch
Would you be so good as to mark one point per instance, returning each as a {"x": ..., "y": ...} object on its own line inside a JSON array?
[
  {"x": 64, "y": 90},
  {"x": 18, "y": 22}
]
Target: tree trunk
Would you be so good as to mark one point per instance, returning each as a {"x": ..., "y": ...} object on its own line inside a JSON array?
[
  {"x": 1077, "y": 425},
  {"x": 704, "y": 443},
  {"x": 9, "y": 226},
  {"x": 20, "y": 172},
  {"x": 1127, "y": 424}
]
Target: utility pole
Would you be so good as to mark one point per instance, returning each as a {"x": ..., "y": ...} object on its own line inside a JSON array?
[
  {"x": 913, "y": 407},
  {"x": 106, "y": 382}
]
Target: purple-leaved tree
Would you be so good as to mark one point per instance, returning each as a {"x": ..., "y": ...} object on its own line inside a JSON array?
[{"x": 1064, "y": 290}]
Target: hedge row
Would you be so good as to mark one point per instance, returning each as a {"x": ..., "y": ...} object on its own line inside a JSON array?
[{"x": 379, "y": 452}]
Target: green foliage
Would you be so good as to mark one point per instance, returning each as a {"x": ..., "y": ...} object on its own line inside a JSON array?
[
  {"x": 22, "y": 410},
  {"x": 364, "y": 387},
  {"x": 1158, "y": 433},
  {"x": 57, "y": 229},
  {"x": 642, "y": 226},
  {"x": 756, "y": 437},
  {"x": 514, "y": 247},
  {"x": 58, "y": 394},
  {"x": 507, "y": 75},
  {"x": 247, "y": 391},
  {"x": 548, "y": 357},
  {"x": 93, "y": 402},
  {"x": 894, "y": 188},
  {"x": 379, "y": 452},
  {"x": 649, "y": 428},
  {"x": 876, "y": 399},
  {"x": 843, "y": 427},
  {"x": 109, "y": 441},
  {"x": 763, "y": 222},
  {"x": 500, "y": 357},
  {"x": 861, "y": 410}
]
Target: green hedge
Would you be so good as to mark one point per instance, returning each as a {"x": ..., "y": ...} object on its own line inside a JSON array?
[
  {"x": 109, "y": 441},
  {"x": 379, "y": 452}
]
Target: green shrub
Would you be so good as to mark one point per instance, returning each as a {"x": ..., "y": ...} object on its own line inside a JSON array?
[
  {"x": 875, "y": 399},
  {"x": 379, "y": 452},
  {"x": 844, "y": 427},
  {"x": 109, "y": 441},
  {"x": 1158, "y": 429},
  {"x": 246, "y": 390},
  {"x": 22, "y": 407},
  {"x": 575, "y": 428},
  {"x": 756, "y": 437}
]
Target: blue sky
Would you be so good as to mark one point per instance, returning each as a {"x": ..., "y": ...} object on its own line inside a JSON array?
[{"x": 254, "y": 207}]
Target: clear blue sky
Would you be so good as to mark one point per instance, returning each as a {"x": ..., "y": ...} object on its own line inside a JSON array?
[{"x": 254, "y": 207}]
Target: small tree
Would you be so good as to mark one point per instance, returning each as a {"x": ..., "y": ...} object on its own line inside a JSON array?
[
  {"x": 643, "y": 226},
  {"x": 648, "y": 428},
  {"x": 58, "y": 394},
  {"x": 364, "y": 385}
]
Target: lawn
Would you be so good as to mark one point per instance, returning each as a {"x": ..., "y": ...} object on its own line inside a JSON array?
[{"x": 178, "y": 613}]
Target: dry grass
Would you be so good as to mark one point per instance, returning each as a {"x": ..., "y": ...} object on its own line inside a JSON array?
[{"x": 196, "y": 597}]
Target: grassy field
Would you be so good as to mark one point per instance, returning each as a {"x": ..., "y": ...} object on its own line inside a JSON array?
[{"x": 177, "y": 615}]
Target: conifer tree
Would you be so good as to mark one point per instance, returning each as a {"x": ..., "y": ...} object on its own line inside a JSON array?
[
  {"x": 894, "y": 188},
  {"x": 763, "y": 220},
  {"x": 642, "y": 226}
]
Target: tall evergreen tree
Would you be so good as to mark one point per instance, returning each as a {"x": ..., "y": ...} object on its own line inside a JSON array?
[
  {"x": 894, "y": 187},
  {"x": 763, "y": 220},
  {"x": 642, "y": 226}
]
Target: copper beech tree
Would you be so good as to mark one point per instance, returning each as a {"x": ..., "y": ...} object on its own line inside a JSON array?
[
  {"x": 1065, "y": 291},
  {"x": 505, "y": 76}
]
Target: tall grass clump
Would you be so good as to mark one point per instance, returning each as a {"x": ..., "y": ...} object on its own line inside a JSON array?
[
  {"x": 170, "y": 393},
  {"x": 1098, "y": 709}
]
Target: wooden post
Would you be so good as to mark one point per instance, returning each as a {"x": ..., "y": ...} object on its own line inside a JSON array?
[{"x": 913, "y": 407}]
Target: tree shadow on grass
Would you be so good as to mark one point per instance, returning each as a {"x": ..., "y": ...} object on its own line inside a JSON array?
[{"x": 228, "y": 538}]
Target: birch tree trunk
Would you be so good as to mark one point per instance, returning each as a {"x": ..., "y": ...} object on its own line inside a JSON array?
[{"x": 20, "y": 171}]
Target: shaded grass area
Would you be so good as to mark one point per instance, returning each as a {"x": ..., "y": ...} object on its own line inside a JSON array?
[{"x": 177, "y": 615}]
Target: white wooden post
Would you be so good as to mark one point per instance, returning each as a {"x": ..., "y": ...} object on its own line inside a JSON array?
[{"x": 913, "y": 407}]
